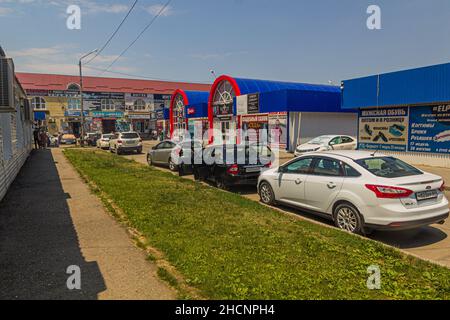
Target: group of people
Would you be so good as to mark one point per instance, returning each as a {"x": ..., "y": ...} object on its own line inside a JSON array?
[{"x": 42, "y": 139}]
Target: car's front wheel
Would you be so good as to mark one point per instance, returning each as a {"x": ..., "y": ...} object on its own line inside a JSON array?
[
  {"x": 348, "y": 218},
  {"x": 149, "y": 160},
  {"x": 266, "y": 194}
]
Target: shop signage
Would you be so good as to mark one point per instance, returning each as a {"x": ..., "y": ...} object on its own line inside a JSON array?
[
  {"x": 190, "y": 111},
  {"x": 159, "y": 114},
  {"x": 223, "y": 110},
  {"x": 430, "y": 129},
  {"x": 37, "y": 93},
  {"x": 253, "y": 103},
  {"x": 72, "y": 113},
  {"x": 107, "y": 114},
  {"x": 384, "y": 129},
  {"x": 278, "y": 129},
  {"x": 139, "y": 116},
  {"x": 247, "y": 104}
]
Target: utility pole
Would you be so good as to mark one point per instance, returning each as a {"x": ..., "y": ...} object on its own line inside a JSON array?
[{"x": 80, "y": 65}]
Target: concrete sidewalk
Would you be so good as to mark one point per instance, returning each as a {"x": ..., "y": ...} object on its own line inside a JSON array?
[{"x": 49, "y": 221}]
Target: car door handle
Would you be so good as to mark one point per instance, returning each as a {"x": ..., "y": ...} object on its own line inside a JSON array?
[
  {"x": 298, "y": 182},
  {"x": 331, "y": 185}
]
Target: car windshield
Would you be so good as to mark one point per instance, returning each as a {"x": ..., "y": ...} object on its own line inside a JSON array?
[
  {"x": 321, "y": 140},
  {"x": 107, "y": 136},
  {"x": 130, "y": 135},
  {"x": 388, "y": 167}
]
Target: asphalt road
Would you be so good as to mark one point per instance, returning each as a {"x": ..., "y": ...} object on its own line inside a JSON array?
[{"x": 429, "y": 243}]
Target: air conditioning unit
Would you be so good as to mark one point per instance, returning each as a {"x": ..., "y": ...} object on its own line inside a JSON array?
[{"x": 6, "y": 85}]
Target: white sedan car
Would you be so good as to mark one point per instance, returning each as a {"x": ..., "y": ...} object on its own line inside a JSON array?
[
  {"x": 125, "y": 142},
  {"x": 359, "y": 190},
  {"x": 103, "y": 142},
  {"x": 327, "y": 143}
]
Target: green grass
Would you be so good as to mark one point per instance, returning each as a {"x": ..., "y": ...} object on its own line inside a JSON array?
[{"x": 229, "y": 247}]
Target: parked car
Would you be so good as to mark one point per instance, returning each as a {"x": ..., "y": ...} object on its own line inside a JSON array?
[
  {"x": 327, "y": 143},
  {"x": 233, "y": 165},
  {"x": 52, "y": 140},
  {"x": 169, "y": 153},
  {"x": 91, "y": 139},
  {"x": 125, "y": 142},
  {"x": 103, "y": 141},
  {"x": 68, "y": 139},
  {"x": 359, "y": 190}
]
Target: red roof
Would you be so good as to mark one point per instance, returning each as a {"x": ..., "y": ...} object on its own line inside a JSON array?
[{"x": 37, "y": 81}]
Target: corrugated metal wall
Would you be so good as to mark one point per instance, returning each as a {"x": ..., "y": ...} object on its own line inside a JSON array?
[
  {"x": 424, "y": 86},
  {"x": 15, "y": 146}
]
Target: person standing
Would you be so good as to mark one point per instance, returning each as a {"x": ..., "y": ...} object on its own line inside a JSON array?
[
  {"x": 36, "y": 138},
  {"x": 43, "y": 138}
]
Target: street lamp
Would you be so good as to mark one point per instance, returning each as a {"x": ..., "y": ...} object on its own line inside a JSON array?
[{"x": 81, "y": 94}]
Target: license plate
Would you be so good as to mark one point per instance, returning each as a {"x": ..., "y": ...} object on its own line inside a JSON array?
[
  {"x": 426, "y": 195},
  {"x": 252, "y": 170}
]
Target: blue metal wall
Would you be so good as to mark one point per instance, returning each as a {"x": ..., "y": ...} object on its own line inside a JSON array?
[{"x": 410, "y": 87}]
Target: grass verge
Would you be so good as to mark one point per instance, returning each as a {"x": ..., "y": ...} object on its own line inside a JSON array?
[{"x": 229, "y": 247}]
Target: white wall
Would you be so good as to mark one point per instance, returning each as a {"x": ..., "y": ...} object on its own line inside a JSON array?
[
  {"x": 312, "y": 125},
  {"x": 15, "y": 146}
]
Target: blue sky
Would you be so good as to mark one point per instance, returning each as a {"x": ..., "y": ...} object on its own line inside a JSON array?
[{"x": 296, "y": 40}]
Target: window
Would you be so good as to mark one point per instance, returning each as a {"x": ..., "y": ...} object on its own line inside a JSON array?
[
  {"x": 73, "y": 87},
  {"x": 38, "y": 103},
  {"x": 74, "y": 104},
  {"x": 347, "y": 140},
  {"x": 350, "y": 171},
  {"x": 108, "y": 105},
  {"x": 327, "y": 167},
  {"x": 388, "y": 167},
  {"x": 336, "y": 141},
  {"x": 139, "y": 105},
  {"x": 300, "y": 166}
]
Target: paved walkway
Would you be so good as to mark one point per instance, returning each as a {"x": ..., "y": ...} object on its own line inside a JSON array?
[{"x": 48, "y": 221}]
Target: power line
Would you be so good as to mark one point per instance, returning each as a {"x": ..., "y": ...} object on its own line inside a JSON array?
[
  {"x": 140, "y": 35},
  {"x": 146, "y": 77},
  {"x": 114, "y": 34}
]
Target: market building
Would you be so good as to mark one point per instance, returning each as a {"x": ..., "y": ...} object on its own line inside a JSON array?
[
  {"x": 189, "y": 113},
  {"x": 405, "y": 113},
  {"x": 110, "y": 104},
  {"x": 297, "y": 111},
  {"x": 16, "y": 122}
]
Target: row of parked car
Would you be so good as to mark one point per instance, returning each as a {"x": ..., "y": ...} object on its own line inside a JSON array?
[
  {"x": 360, "y": 191},
  {"x": 120, "y": 142}
]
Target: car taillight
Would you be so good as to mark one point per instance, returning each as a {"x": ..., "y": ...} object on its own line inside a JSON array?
[
  {"x": 233, "y": 170},
  {"x": 268, "y": 165},
  {"x": 140, "y": 140},
  {"x": 386, "y": 192},
  {"x": 442, "y": 188},
  {"x": 119, "y": 141}
]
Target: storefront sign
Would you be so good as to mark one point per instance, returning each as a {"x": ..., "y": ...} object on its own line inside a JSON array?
[
  {"x": 247, "y": 104},
  {"x": 253, "y": 103},
  {"x": 139, "y": 116},
  {"x": 223, "y": 110},
  {"x": 191, "y": 111},
  {"x": 278, "y": 129},
  {"x": 384, "y": 129},
  {"x": 257, "y": 125},
  {"x": 72, "y": 113},
  {"x": 107, "y": 114},
  {"x": 430, "y": 129}
]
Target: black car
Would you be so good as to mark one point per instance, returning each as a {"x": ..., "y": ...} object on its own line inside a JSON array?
[{"x": 231, "y": 165}]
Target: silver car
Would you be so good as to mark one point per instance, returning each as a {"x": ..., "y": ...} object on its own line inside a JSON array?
[{"x": 169, "y": 153}]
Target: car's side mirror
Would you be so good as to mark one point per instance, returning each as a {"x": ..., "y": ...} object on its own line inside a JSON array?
[{"x": 154, "y": 148}]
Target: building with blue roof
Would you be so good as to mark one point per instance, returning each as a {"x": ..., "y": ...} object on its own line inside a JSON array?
[
  {"x": 188, "y": 110},
  {"x": 406, "y": 113},
  {"x": 299, "y": 111}
]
